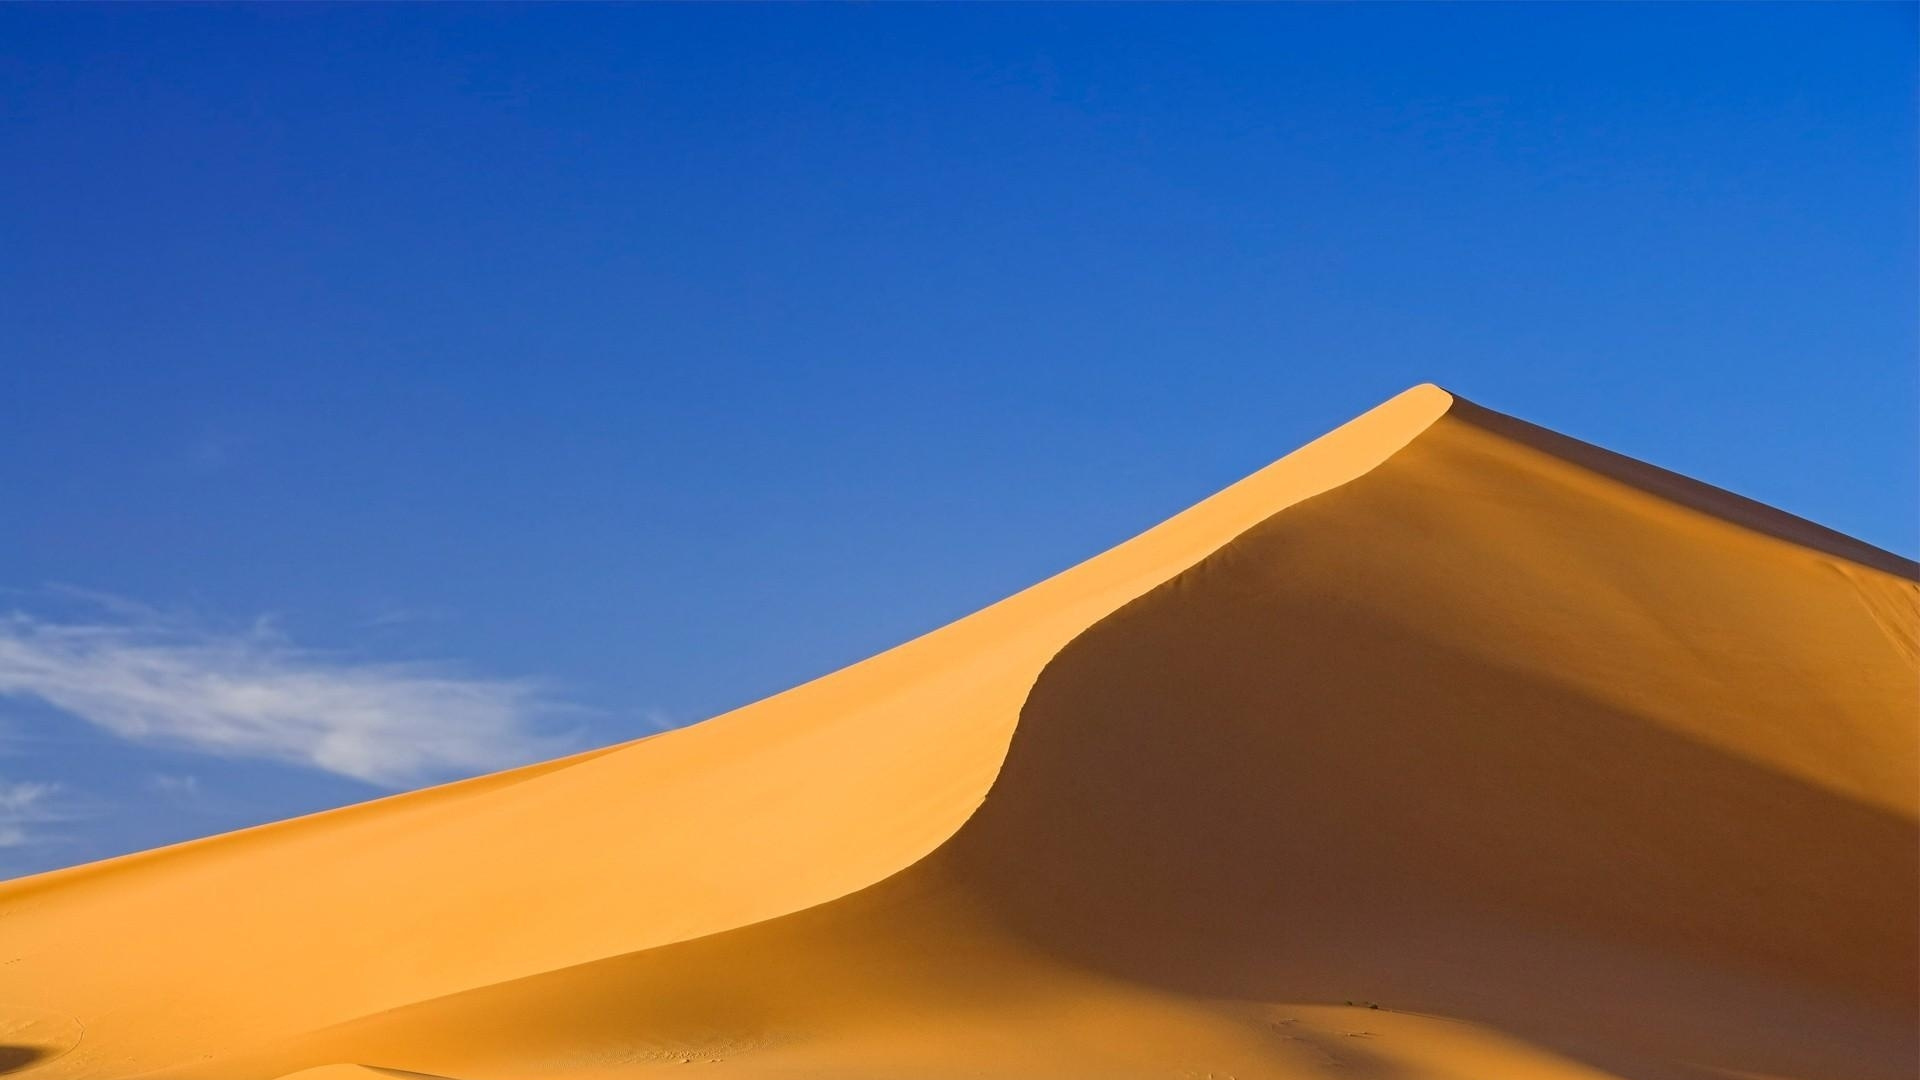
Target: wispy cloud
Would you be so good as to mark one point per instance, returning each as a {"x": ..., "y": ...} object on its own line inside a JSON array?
[
  {"x": 253, "y": 693},
  {"x": 25, "y": 805},
  {"x": 174, "y": 785}
]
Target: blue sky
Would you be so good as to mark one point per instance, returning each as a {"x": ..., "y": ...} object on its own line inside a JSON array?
[{"x": 393, "y": 393}]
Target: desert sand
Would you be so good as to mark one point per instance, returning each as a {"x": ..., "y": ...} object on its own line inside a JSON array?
[{"x": 1444, "y": 746}]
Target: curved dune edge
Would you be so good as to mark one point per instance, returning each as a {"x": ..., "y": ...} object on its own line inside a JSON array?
[
  {"x": 797, "y": 846},
  {"x": 1130, "y": 903},
  {"x": 1387, "y": 738}
]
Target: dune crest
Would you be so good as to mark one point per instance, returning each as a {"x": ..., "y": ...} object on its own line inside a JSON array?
[{"x": 1444, "y": 746}]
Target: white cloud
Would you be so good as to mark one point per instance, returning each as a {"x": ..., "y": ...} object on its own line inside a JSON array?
[
  {"x": 174, "y": 785},
  {"x": 23, "y": 805},
  {"x": 255, "y": 694}
]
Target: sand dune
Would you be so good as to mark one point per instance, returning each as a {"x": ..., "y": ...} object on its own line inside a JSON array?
[{"x": 1443, "y": 747}]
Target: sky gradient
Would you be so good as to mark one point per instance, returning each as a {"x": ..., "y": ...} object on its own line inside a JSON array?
[{"x": 393, "y": 393}]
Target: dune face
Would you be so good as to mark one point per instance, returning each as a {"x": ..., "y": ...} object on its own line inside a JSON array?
[{"x": 1572, "y": 767}]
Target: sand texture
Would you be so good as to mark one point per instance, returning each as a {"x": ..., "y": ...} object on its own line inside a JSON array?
[{"x": 1443, "y": 747}]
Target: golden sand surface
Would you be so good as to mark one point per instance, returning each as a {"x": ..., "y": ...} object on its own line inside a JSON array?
[{"x": 1444, "y": 747}]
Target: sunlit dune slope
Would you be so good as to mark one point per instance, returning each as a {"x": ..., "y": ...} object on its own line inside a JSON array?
[{"x": 1574, "y": 767}]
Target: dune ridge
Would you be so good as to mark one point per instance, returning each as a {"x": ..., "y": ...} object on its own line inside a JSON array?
[{"x": 1576, "y": 767}]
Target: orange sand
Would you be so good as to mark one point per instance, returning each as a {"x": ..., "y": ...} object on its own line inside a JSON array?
[{"x": 1574, "y": 767}]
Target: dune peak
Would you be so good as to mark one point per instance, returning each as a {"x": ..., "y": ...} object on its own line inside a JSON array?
[{"x": 1442, "y": 746}]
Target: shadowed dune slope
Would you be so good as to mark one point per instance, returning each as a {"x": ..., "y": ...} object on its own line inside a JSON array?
[{"x": 1575, "y": 767}]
